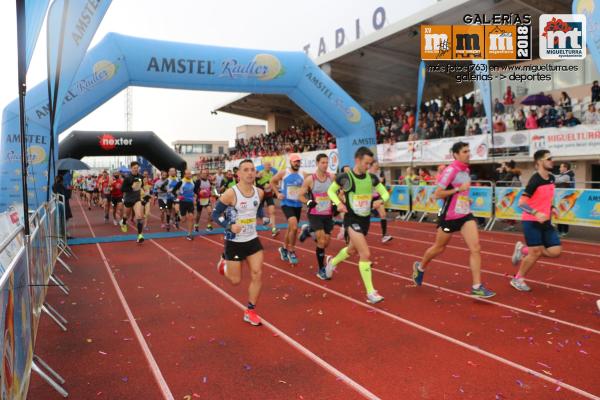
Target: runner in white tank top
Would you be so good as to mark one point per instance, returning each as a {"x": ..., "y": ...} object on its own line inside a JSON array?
[{"x": 236, "y": 211}]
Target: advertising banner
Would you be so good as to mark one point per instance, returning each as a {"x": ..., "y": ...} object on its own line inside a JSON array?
[
  {"x": 16, "y": 344},
  {"x": 506, "y": 140},
  {"x": 423, "y": 200},
  {"x": 399, "y": 152},
  {"x": 308, "y": 161},
  {"x": 507, "y": 203},
  {"x": 577, "y": 207},
  {"x": 482, "y": 200},
  {"x": 439, "y": 150},
  {"x": 399, "y": 198},
  {"x": 573, "y": 141}
]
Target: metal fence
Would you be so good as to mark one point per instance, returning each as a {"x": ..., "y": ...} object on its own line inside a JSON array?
[
  {"x": 27, "y": 273},
  {"x": 494, "y": 201}
]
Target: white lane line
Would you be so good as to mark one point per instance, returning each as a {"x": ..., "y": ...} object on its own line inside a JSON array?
[
  {"x": 516, "y": 235},
  {"x": 303, "y": 350},
  {"x": 437, "y": 260},
  {"x": 440, "y": 335},
  {"x": 517, "y": 309},
  {"x": 164, "y": 388},
  {"x": 509, "y": 256}
]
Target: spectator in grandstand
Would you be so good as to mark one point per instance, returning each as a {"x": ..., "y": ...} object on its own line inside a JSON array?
[
  {"x": 498, "y": 107},
  {"x": 425, "y": 177},
  {"x": 566, "y": 180},
  {"x": 508, "y": 174},
  {"x": 509, "y": 99},
  {"x": 499, "y": 124},
  {"x": 565, "y": 102},
  {"x": 595, "y": 92},
  {"x": 532, "y": 122},
  {"x": 591, "y": 117},
  {"x": 520, "y": 121},
  {"x": 570, "y": 120}
]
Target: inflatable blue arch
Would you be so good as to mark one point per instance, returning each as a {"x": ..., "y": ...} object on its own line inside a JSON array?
[{"x": 119, "y": 61}]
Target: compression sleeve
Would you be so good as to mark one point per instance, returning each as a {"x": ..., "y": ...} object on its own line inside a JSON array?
[
  {"x": 332, "y": 193},
  {"x": 385, "y": 196},
  {"x": 217, "y": 214}
]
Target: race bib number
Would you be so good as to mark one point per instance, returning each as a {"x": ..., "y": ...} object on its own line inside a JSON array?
[
  {"x": 293, "y": 192},
  {"x": 323, "y": 204},
  {"x": 463, "y": 205},
  {"x": 137, "y": 185},
  {"x": 204, "y": 201},
  {"x": 106, "y": 190},
  {"x": 361, "y": 204},
  {"x": 248, "y": 226}
]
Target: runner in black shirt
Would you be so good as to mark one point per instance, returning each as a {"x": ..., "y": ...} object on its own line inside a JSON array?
[{"x": 132, "y": 199}]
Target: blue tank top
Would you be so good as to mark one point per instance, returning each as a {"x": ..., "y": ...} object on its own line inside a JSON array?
[
  {"x": 186, "y": 191},
  {"x": 171, "y": 186},
  {"x": 292, "y": 182}
]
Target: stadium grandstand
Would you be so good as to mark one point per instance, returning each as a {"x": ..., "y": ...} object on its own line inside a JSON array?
[{"x": 380, "y": 71}]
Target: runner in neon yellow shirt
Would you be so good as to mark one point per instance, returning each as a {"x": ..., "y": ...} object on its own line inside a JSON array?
[{"x": 358, "y": 185}]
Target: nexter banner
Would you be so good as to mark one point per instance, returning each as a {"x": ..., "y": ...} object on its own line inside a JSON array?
[
  {"x": 399, "y": 198},
  {"x": 577, "y": 206},
  {"x": 507, "y": 203}
]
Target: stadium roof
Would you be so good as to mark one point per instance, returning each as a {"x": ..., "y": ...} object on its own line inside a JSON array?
[{"x": 381, "y": 69}]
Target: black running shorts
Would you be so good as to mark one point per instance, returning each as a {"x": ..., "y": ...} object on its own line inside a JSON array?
[
  {"x": 186, "y": 207},
  {"x": 321, "y": 223},
  {"x": 239, "y": 251},
  {"x": 290, "y": 212},
  {"x": 454, "y": 225}
]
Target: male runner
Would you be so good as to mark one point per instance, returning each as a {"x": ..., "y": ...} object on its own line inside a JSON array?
[
  {"x": 116, "y": 196},
  {"x": 147, "y": 186},
  {"x": 290, "y": 205},
  {"x": 132, "y": 198},
  {"x": 380, "y": 211},
  {"x": 265, "y": 173},
  {"x": 228, "y": 181},
  {"x": 202, "y": 188},
  {"x": 540, "y": 236},
  {"x": 357, "y": 185},
  {"x": 104, "y": 186},
  {"x": 320, "y": 210},
  {"x": 455, "y": 216},
  {"x": 90, "y": 184},
  {"x": 161, "y": 193},
  {"x": 236, "y": 211},
  {"x": 187, "y": 198},
  {"x": 172, "y": 201}
]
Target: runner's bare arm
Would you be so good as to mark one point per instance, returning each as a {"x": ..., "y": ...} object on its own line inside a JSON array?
[{"x": 304, "y": 189}]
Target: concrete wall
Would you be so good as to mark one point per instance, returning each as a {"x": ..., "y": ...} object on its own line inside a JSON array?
[
  {"x": 248, "y": 131},
  {"x": 276, "y": 122}
]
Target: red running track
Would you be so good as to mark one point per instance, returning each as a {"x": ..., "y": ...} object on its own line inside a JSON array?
[{"x": 323, "y": 340}]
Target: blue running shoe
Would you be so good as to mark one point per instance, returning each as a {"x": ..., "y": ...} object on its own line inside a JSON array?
[
  {"x": 417, "y": 274},
  {"x": 304, "y": 232},
  {"x": 292, "y": 257},
  {"x": 283, "y": 253},
  {"x": 321, "y": 274},
  {"x": 482, "y": 292}
]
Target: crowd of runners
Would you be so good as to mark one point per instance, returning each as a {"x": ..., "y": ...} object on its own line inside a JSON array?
[{"x": 239, "y": 200}]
